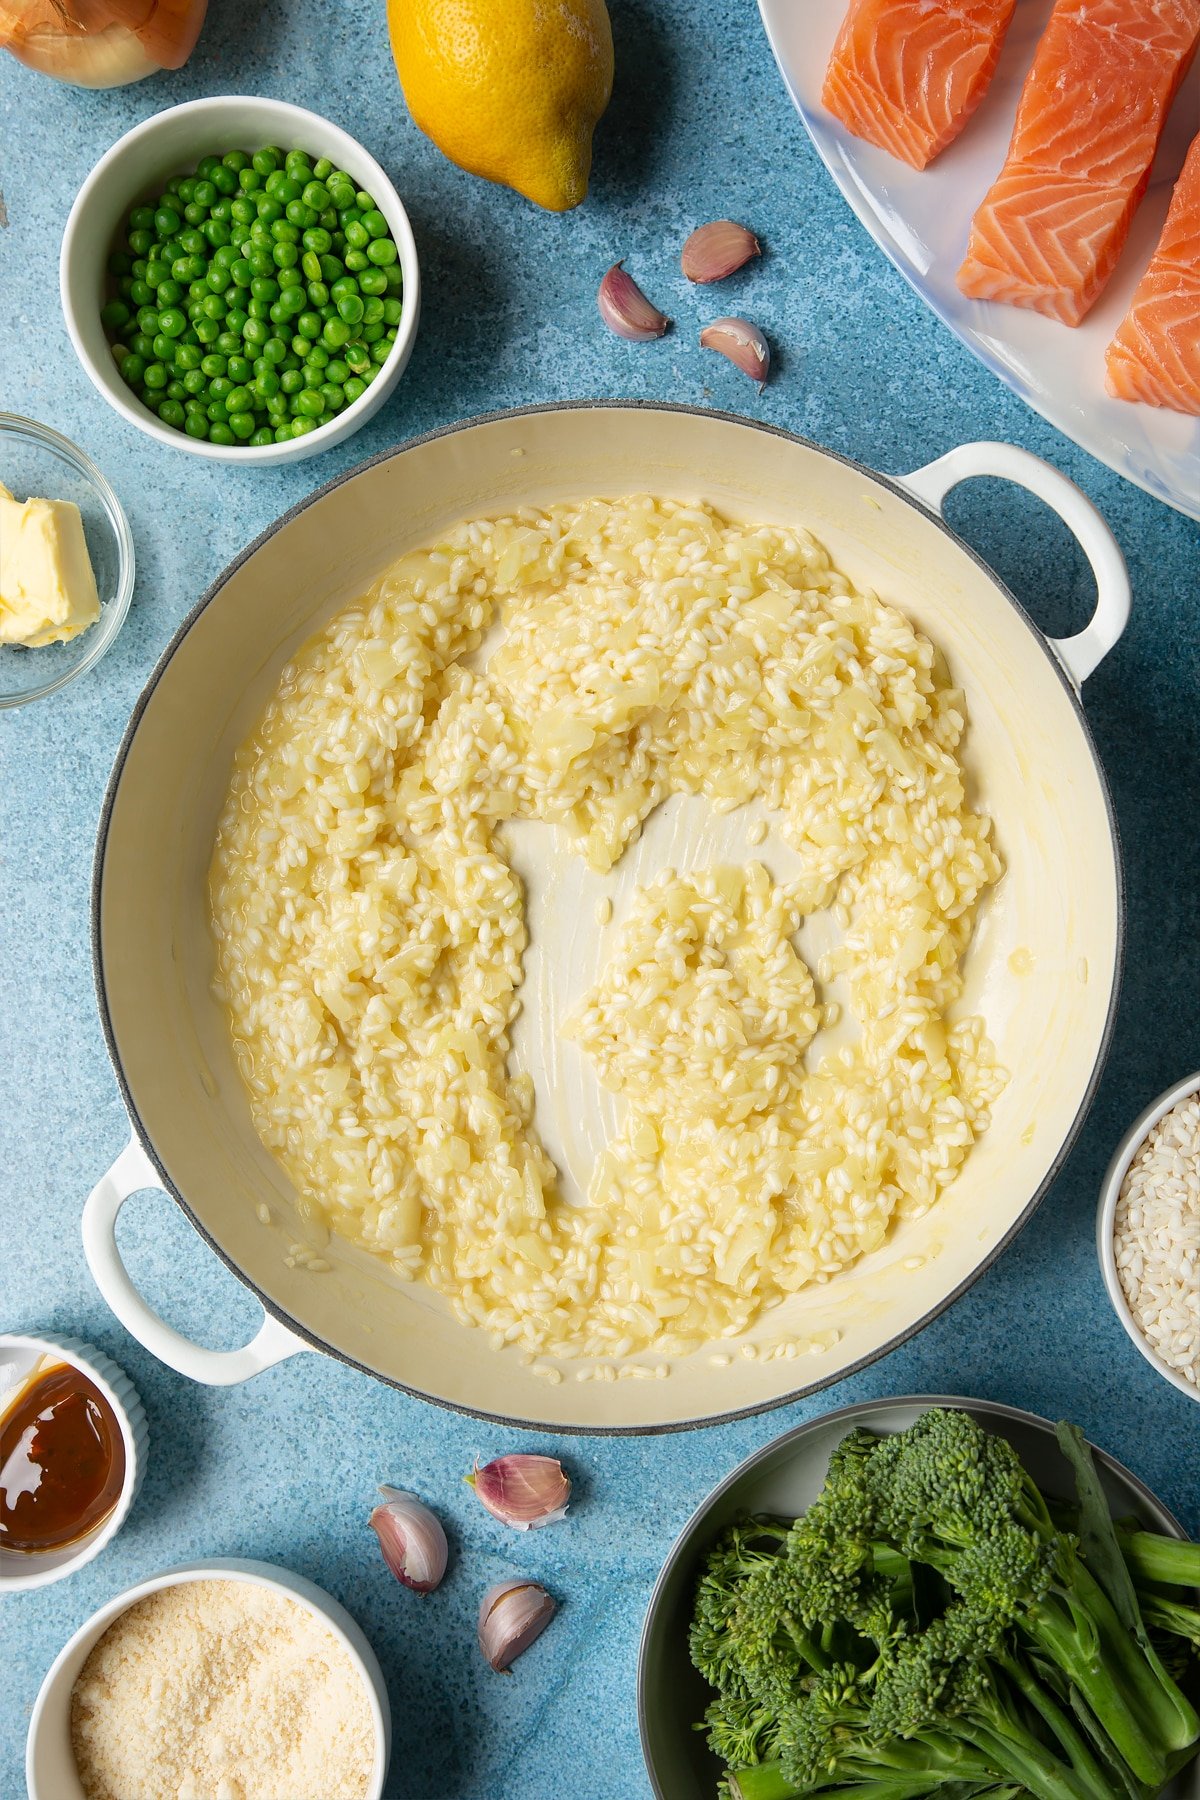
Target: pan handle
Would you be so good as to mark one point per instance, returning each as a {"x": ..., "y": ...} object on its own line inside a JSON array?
[
  {"x": 1082, "y": 654},
  {"x": 132, "y": 1172}
]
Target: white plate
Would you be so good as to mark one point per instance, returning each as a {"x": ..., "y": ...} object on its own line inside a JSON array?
[{"x": 921, "y": 219}]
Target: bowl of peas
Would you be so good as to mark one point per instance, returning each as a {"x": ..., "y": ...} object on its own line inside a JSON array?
[{"x": 240, "y": 281}]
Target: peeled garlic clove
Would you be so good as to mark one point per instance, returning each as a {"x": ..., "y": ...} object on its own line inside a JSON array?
[
  {"x": 716, "y": 250},
  {"x": 523, "y": 1491},
  {"x": 511, "y": 1615},
  {"x": 626, "y": 310},
  {"x": 744, "y": 345},
  {"x": 411, "y": 1538}
]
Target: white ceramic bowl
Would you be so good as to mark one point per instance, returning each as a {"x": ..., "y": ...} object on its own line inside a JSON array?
[
  {"x": 19, "y": 1355},
  {"x": 50, "y": 1772},
  {"x": 1110, "y": 1191},
  {"x": 172, "y": 143}
]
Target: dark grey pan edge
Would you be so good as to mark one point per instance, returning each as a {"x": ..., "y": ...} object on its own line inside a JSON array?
[
  {"x": 139, "y": 1125},
  {"x": 859, "y": 1413}
]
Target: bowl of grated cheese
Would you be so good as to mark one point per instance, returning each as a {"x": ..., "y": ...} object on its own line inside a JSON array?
[{"x": 219, "y": 1680}]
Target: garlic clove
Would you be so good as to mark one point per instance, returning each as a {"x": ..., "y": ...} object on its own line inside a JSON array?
[
  {"x": 411, "y": 1538},
  {"x": 626, "y": 310},
  {"x": 744, "y": 345},
  {"x": 717, "y": 250},
  {"x": 511, "y": 1615},
  {"x": 523, "y": 1491}
]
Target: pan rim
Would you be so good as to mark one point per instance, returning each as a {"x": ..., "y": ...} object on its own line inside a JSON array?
[{"x": 138, "y": 1124}]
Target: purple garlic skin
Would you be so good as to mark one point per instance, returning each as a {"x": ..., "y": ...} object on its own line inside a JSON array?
[
  {"x": 511, "y": 1615},
  {"x": 626, "y": 310},
  {"x": 717, "y": 250},
  {"x": 743, "y": 344},
  {"x": 523, "y": 1491},
  {"x": 411, "y": 1538}
]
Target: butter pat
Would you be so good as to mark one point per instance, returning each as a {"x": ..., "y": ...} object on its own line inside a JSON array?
[{"x": 47, "y": 587}]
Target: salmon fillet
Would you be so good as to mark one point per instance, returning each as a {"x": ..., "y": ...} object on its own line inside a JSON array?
[
  {"x": 908, "y": 74},
  {"x": 1051, "y": 228},
  {"x": 1155, "y": 355}
]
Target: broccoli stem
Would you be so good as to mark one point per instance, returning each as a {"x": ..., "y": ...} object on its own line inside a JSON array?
[
  {"x": 1082, "y": 1759},
  {"x": 1152, "y": 1557},
  {"x": 1161, "y": 1613}
]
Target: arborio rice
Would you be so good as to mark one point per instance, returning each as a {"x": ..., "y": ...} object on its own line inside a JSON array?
[
  {"x": 1156, "y": 1238},
  {"x": 370, "y": 930}
]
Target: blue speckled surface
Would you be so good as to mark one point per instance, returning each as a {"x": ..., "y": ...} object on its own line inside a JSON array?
[{"x": 284, "y": 1468}]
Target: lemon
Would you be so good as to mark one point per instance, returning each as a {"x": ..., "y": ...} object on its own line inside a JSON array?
[{"x": 508, "y": 89}]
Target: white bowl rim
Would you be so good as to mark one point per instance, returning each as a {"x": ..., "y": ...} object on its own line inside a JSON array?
[
  {"x": 114, "y": 612},
  {"x": 279, "y": 1580},
  {"x": 1110, "y": 1190},
  {"x": 79, "y": 1356},
  {"x": 345, "y": 423}
]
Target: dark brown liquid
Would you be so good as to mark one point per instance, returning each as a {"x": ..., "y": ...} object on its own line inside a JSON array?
[{"x": 62, "y": 1462}]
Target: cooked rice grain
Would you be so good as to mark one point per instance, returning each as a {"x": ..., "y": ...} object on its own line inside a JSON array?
[{"x": 370, "y": 931}]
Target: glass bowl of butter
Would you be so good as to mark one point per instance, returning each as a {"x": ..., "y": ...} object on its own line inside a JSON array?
[{"x": 66, "y": 562}]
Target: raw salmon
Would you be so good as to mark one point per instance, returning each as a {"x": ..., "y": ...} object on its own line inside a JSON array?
[
  {"x": 1155, "y": 355},
  {"x": 908, "y": 74},
  {"x": 1055, "y": 221}
]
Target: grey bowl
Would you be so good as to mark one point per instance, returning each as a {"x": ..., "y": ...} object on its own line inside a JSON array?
[{"x": 784, "y": 1479}]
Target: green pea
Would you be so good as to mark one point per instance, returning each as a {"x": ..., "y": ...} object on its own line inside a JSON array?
[
  {"x": 193, "y": 214},
  {"x": 266, "y": 384},
  {"x": 219, "y": 433},
  {"x": 286, "y": 256},
  {"x": 196, "y": 381},
  {"x": 156, "y": 375},
  {"x": 193, "y": 243},
  {"x": 395, "y": 277},
  {"x": 172, "y": 323},
  {"x": 222, "y": 210},
  {"x": 189, "y": 268},
  {"x": 256, "y": 331},
  {"x": 239, "y": 370},
  {"x": 196, "y": 425},
  {"x": 336, "y": 332},
  {"x": 176, "y": 390},
  {"x": 291, "y": 381},
  {"x": 229, "y": 343},
  {"x": 332, "y": 268},
  {"x": 382, "y": 251},
  {"x": 239, "y": 235},
  {"x": 217, "y": 233},
  {"x": 170, "y": 292},
  {"x": 263, "y": 288},
  {"x": 288, "y": 189},
  {"x": 322, "y": 169},
  {"x": 270, "y": 210},
  {"x": 204, "y": 194},
  {"x": 163, "y": 347},
  {"x": 350, "y": 309},
  {"x": 171, "y": 413},
  {"x": 141, "y": 293},
  {"x": 243, "y": 212},
  {"x": 114, "y": 315},
  {"x": 258, "y": 309},
  {"x": 357, "y": 235},
  {"x": 249, "y": 180},
  {"x": 187, "y": 356},
  {"x": 207, "y": 330},
  {"x": 336, "y": 369},
  {"x": 310, "y": 404},
  {"x": 333, "y": 396},
  {"x": 140, "y": 242},
  {"x": 261, "y": 262},
  {"x": 283, "y": 433},
  {"x": 224, "y": 180},
  {"x": 318, "y": 357},
  {"x": 375, "y": 222},
  {"x": 265, "y": 162},
  {"x": 373, "y": 281},
  {"x": 236, "y": 317},
  {"x": 392, "y": 310},
  {"x": 142, "y": 218},
  {"x": 302, "y": 427},
  {"x": 329, "y": 220},
  {"x": 310, "y": 263},
  {"x": 217, "y": 412},
  {"x": 280, "y": 314},
  {"x": 133, "y": 368},
  {"x": 274, "y": 350},
  {"x": 278, "y": 407},
  {"x": 264, "y": 435},
  {"x": 239, "y": 400},
  {"x": 301, "y": 217},
  {"x": 381, "y": 351},
  {"x": 371, "y": 334},
  {"x": 358, "y": 357},
  {"x": 318, "y": 240},
  {"x": 220, "y": 387},
  {"x": 357, "y": 261},
  {"x": 166, "y": 222},
  {"x": 140, "y": 344},
  {"x": 242, "y": 273},
  {"x": 354, "y": 389},
  {"x": 300, "y": 346},
  {"x": 309, "y": 325},
  {"x": 341, "y": 191},
  {"x": 318, "y": 294},
  {"x": 284, "y": 232}
]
